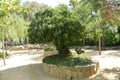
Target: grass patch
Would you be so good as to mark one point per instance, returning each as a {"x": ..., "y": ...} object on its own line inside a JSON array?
[{"x": 71, "y": 60}]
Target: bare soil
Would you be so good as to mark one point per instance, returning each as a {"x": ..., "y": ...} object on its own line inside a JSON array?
[{"x": 26, "y": 65}]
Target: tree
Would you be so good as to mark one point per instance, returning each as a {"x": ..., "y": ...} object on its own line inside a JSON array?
[
  {"x": 106, "y": 11},
  {"x": 88, "y": 19},
  {"x": 8, "y": 7},
  {"x": 56, "y": 25},
  {"x": 33, "y": 8}
]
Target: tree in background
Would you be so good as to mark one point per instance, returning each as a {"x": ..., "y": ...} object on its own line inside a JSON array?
[
  {"x": 33, "y": 8},
  {"x": 106, "y": 12},
  {"x": 7, "y": 18},
  {"x": 84, "y": 12}
]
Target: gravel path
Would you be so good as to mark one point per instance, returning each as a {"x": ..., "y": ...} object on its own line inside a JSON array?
[
  {"x": 26, "y": 65},
  {"x": 109, "y": 64}
]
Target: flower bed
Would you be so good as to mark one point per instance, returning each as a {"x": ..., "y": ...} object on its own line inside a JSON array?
[{"x": 71, "y": 73}]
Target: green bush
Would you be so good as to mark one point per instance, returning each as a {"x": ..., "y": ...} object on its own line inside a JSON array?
[
  {"x": 1, "y": 55},
  {"x": 48, "y": 48},
  {"x": 70, "y": 61}
]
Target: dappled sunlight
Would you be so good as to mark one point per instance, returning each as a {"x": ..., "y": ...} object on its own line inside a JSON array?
[
  {"x": 111, "y": 74},
  {"x": 107, "y": 74},
  {"x": 108, "y": 59}
]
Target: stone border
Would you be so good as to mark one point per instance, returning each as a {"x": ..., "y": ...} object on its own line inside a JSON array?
[{"x": 71, "y": 73}]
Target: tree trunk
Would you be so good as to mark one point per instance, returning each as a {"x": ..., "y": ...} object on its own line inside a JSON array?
[
  {"x": 99, "y": 36},
  {"x": 6, "y": 46},
  {"x": 3, "y": 48},
  {"x": 102, "y": 39},
  {"x": 63, "y": 51},
  {"x": 99, "y": 43}
]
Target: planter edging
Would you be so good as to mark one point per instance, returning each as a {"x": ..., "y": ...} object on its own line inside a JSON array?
[{"x": 71, "y": 73}]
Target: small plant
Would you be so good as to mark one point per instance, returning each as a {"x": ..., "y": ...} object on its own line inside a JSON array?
[
  {"x": 79, "y": 50},
  {"x": 1, "y": 55},
  {"x": 48, "y": 48},
  {"x": 81, "y": 59}
]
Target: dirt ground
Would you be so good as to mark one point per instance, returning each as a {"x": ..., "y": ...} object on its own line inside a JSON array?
[{"x": 26, "y": 65}]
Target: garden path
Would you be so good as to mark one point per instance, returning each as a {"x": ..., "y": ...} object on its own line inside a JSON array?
[{"x": 26, "y": 65}]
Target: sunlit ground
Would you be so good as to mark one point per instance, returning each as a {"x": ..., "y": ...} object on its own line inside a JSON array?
[{"x": 26, "y": 65}]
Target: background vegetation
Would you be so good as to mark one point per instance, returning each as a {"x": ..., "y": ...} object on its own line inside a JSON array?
[
  {"x": 82, "y": 23},
  {"x": 84, "y": 12},
  {"x": 14, "y": 20}
]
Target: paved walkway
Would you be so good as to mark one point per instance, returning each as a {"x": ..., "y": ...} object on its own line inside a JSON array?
[{"x": 26, "y": 65}]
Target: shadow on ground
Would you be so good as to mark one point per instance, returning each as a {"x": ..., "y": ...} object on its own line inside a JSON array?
[
  {"x": 108, "y": 74},
  {"x": 34, "y": 72},
  {"x": 26, "y": 72}
]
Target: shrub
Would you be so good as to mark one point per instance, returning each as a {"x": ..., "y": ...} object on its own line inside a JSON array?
[
  {"x": 71, "y": 61},
  {"x": 1, "y": 55},
  {"x": 48, "y": 48}
]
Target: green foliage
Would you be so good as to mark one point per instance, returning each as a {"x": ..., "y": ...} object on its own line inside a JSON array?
[
  {"x": 58, "y": 25},
  {"x": 65, "y": 24},
  {"x": 77, "y": 62},
  {"x": 11, "y": 20},
  {"x": 33, "y": 8},
  {"x": 48, "y": 48},
  {"x": 71, "y": 61},
  {"x": 96, "y": 4},
  {"x": 13, "y": 26},
  {"x": 108, "y": 10},
  {"x": 110, "y": 36},
  {"x": 1, "y": 55},
  {"x": 11, "y": 6}
]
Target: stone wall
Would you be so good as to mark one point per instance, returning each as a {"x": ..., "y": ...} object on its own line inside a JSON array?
[{"x": 71, "y": 73}]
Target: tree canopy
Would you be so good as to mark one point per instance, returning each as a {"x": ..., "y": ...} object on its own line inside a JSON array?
[{"x": 59, "y": 26}]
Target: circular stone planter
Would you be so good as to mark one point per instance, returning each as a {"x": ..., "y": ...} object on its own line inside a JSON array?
[{"x": 71, "y": 73}]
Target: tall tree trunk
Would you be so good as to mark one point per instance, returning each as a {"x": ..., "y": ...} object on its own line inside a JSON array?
[
  {"x": 3, "y": 48},
  {"x": 102, "y": 38},
  {"x": 6, "y": 42},
  {"x": 99, "y": 43},
  {"x": 63, "y": 51},
  {"x": 99, "y": 36}
]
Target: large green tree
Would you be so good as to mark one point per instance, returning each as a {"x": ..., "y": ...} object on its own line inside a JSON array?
[{"x": 58, "y": 25}]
